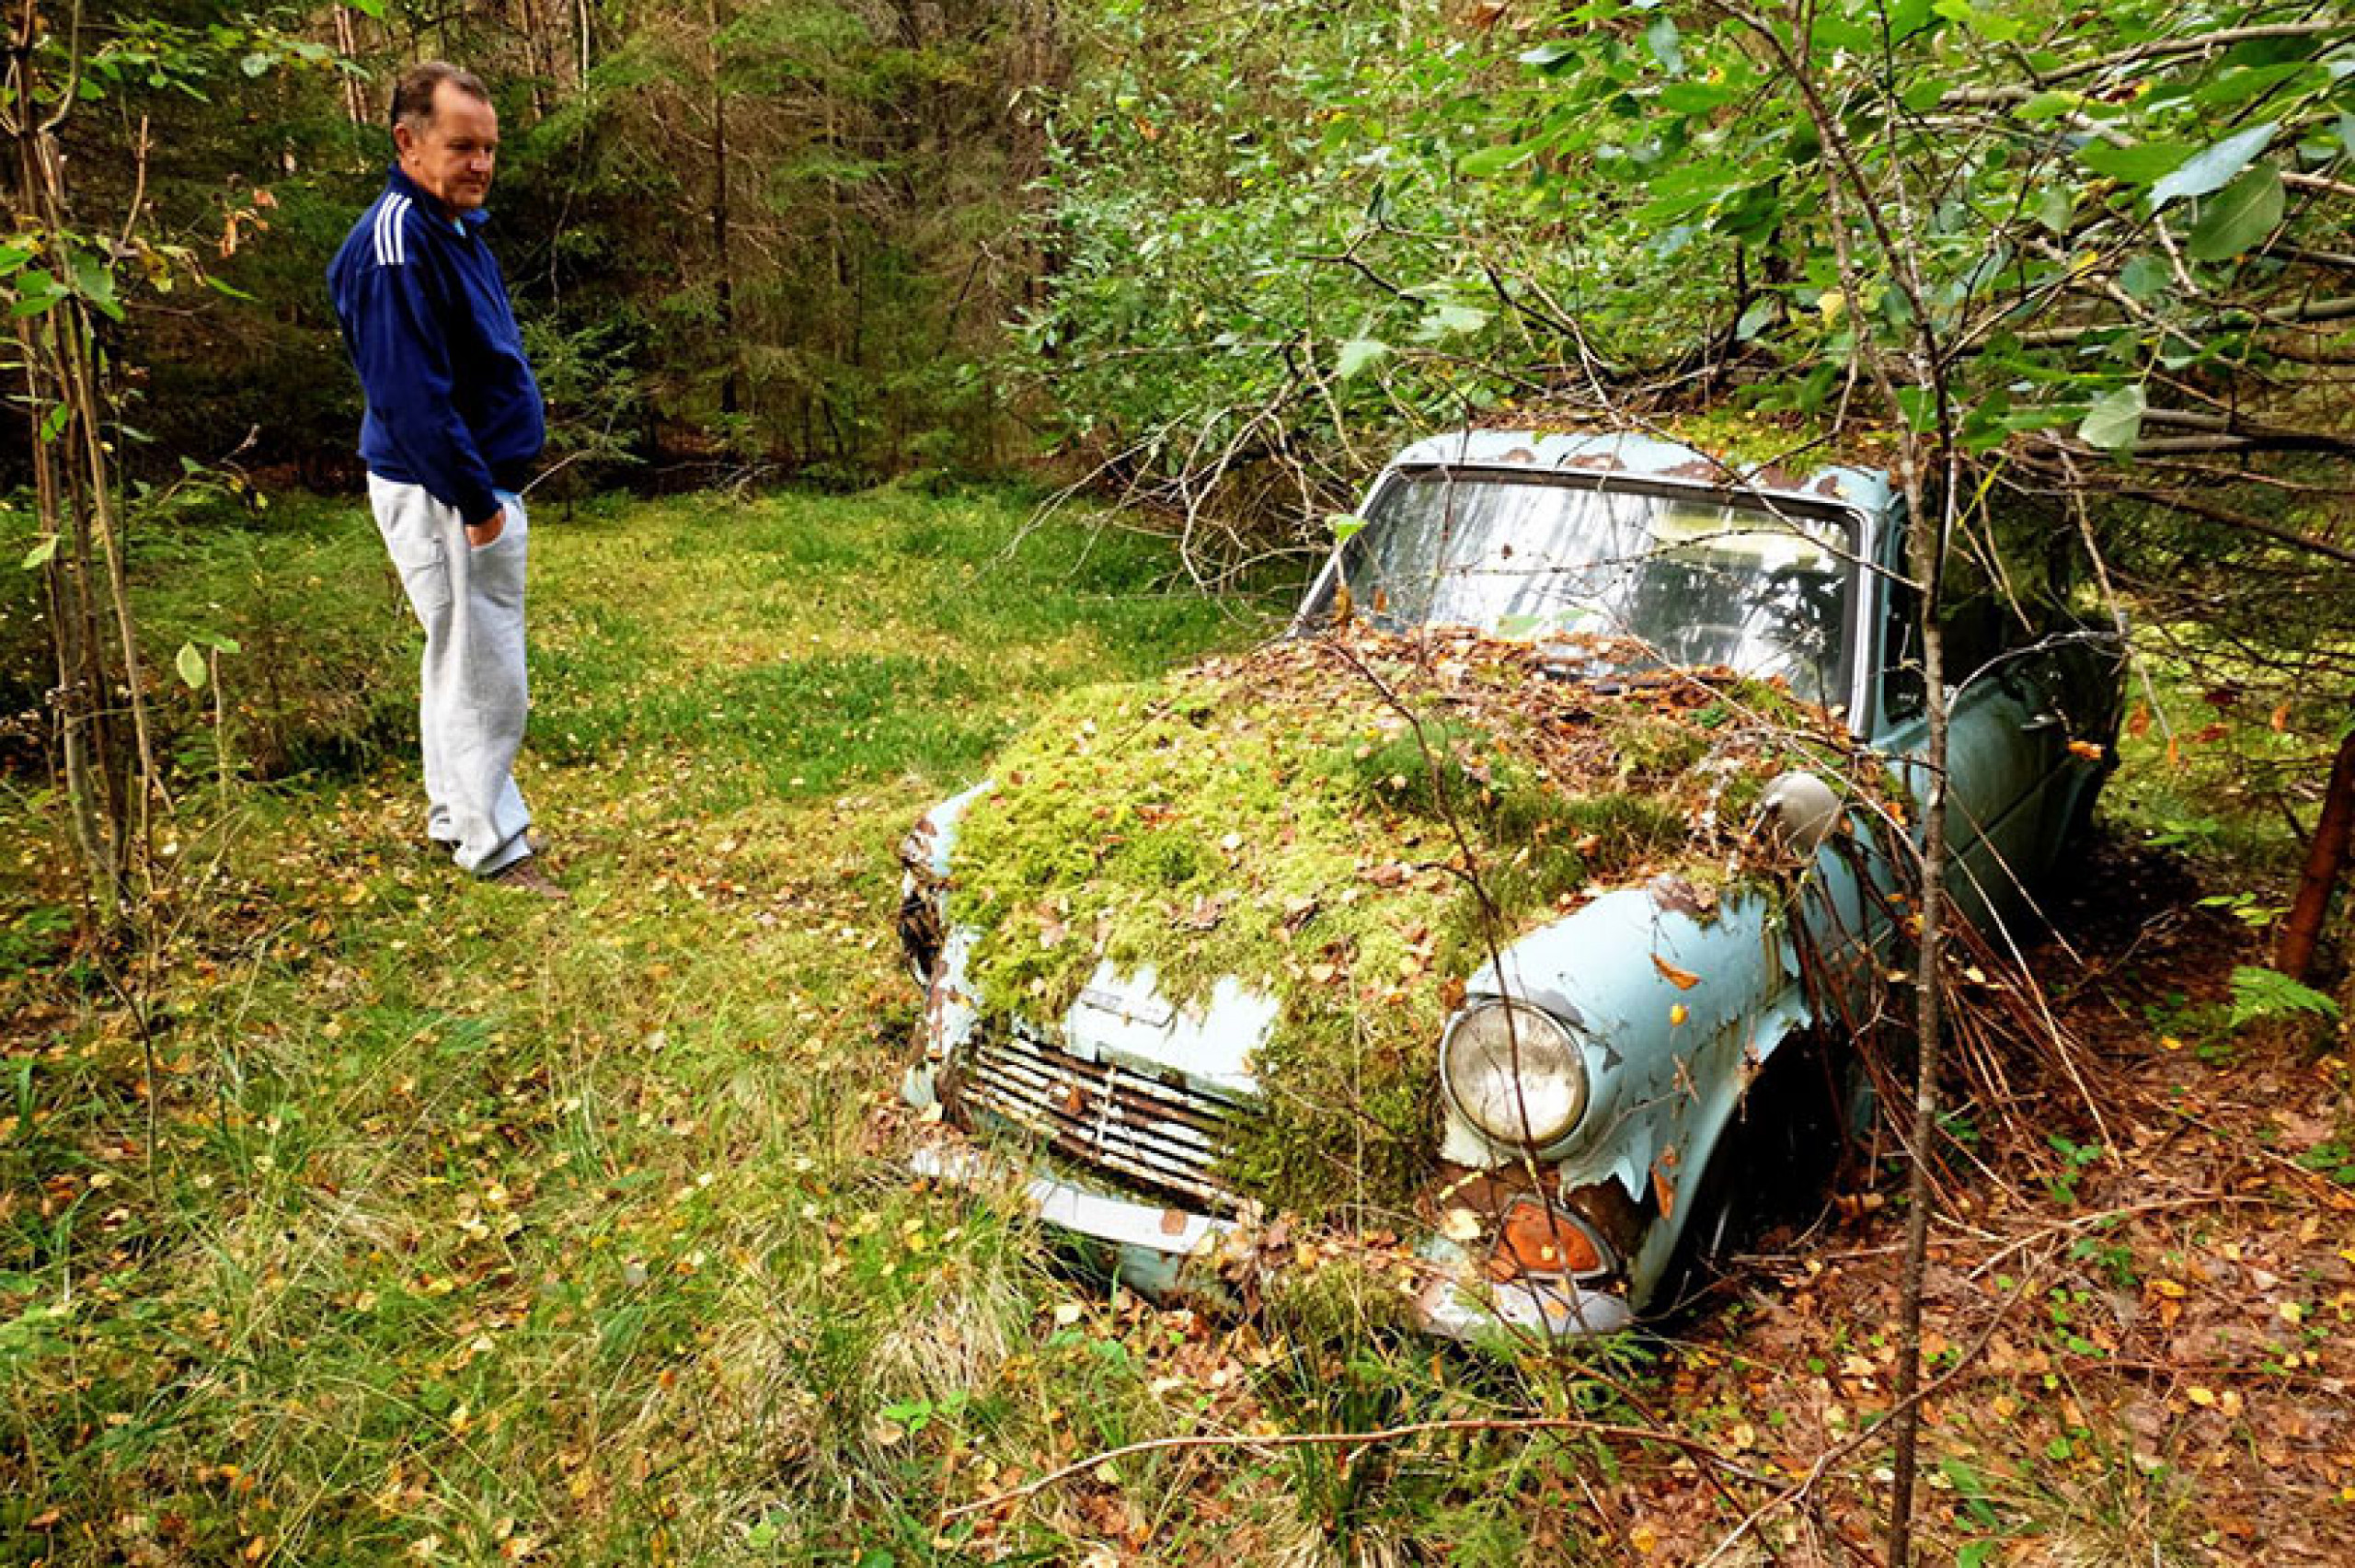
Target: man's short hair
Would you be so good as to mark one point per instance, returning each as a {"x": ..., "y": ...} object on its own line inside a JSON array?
[{"x": 413, "y": 94}]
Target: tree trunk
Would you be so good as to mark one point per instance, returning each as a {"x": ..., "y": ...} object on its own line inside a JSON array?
[
  {"x": 2325, "y": 859},
  {"x": 724, "y": 289},
  {"x": 109, "y": 786}
]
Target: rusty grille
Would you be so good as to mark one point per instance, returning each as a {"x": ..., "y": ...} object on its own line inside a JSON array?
[{"x": 1157, "y": 1132}]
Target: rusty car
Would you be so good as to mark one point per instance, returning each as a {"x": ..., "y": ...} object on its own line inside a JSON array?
[{"x": 1610, "y": 1081}]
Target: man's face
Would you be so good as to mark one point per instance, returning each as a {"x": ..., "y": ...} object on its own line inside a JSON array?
[{"x": 450, "y": 159}]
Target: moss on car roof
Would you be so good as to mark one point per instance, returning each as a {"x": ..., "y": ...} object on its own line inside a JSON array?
[
  {"x": 1348, "y": 823},
  {"x": 1741, "y": 437}
]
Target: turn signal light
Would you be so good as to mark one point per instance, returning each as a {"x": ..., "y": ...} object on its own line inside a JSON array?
[{"x": 1539, "y": 1238}]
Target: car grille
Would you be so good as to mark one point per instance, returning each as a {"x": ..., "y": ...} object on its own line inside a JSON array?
[{"x": 1159, "y": 1132}]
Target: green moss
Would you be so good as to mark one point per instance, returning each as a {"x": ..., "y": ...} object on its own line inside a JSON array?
[{"x": 1333, "y": 823}]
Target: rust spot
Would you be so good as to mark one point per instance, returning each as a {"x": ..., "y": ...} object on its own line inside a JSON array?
[
  {"x": 1599, "y": 462},
  {"x": 1699, "y": 468},
  {"x": 1828, "y": 486},
  {"x": 1605, "y": 1209}
]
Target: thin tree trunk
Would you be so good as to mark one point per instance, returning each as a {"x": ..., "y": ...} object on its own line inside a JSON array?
[
  {"x": 2325, "y": 860},
  {"x": 347, "y": 43},
  {"x": 725, "y": 286}
]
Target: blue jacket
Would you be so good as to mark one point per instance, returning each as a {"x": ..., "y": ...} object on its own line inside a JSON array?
[{"x": 452, "y": 405}]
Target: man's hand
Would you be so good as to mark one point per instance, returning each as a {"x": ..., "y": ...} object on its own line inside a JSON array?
[{"x": 488, "y": 530}]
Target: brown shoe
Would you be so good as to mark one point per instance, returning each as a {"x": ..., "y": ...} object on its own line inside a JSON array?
[{"x": 525, "y": 876}]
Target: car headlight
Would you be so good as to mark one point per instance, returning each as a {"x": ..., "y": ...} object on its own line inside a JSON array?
[{"x": 1515, "y": 1072}]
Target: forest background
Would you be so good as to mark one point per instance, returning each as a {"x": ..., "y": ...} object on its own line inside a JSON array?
[{"x": 2081, "y": 274}]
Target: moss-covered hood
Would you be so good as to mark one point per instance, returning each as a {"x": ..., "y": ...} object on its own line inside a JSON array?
[{"x": 1347, "y": 825}]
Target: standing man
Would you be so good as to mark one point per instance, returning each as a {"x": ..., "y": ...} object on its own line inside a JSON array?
[{"x": 453, "y": 427}]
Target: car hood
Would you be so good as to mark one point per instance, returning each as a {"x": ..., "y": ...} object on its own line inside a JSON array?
[{"x": 1275, "y": 874}]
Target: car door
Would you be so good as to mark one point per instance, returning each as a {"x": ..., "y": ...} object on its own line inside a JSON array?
[{"x": 2001, "y": 747}]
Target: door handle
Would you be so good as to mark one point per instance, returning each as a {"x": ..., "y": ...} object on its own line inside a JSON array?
[{"x": 2036, "y": 723}]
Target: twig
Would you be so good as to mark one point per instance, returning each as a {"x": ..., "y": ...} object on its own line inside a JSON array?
[{"x": 1697, "y": 1447}]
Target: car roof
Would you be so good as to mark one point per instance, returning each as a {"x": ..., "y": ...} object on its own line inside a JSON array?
[{"x": 1643, "y": 455}]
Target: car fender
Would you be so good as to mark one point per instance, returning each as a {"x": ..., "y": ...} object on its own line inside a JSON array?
[{"x": 1675, "y": 1008}]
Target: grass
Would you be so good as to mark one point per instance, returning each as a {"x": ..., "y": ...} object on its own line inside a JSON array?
[
  {"x": 381, "y": 1217},
  {"x": 475, "y": 1230}
]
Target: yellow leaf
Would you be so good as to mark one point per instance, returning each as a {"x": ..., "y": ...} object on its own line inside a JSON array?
[
  {"x": 1683, "y": 979},
  {"x": 2200, "y": 1396},
  {"x": 1459, "y": 1225}
]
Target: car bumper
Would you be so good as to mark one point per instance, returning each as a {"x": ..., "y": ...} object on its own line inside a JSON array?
[{"x": 1170, "y": 1254}]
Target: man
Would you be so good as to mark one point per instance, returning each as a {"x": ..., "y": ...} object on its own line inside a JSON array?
[{"x": 453, "y": 424}]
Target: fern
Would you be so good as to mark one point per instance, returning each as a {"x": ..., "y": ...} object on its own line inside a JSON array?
[{"x": 2267, "y": 993}]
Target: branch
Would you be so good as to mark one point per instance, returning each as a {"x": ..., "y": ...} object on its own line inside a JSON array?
[
  {"x": 2320, "y": 310},
  {"x": 2158, "y": 48},
  {"x": 1698, "y": 1447},
  {"x": 2244, "y": 523}
]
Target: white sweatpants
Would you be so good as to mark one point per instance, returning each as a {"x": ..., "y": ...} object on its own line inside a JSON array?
[{"x": 472, "y": 690}]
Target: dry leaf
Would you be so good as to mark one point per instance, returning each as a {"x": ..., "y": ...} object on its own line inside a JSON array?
[{"x": 1683, "y": 979}]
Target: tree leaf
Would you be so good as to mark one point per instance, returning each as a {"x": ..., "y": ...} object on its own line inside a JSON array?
[
  {"x": 2115, "y": 420},
  {"x": 1919, "y": 408},
  {"x": 1357, "y": 354},
  {"x": 1482, "y": 162},
  {"x": 1666, "y": 46},
  {"x": 1697, "y": 97},
  {"x": 1756, "y": 320},
  {"x": 2056, "y": 207},
  {"x": 1683, "y": 979},
  {"x": 1993, "y": 26},
  {"x": 191, "y": 664},
  {"x": 2137, "y": 164},
  {"x": 2214, "y": 167},
  {"x": 2239, "y": 216},
  {"x": 2146, "y": 277},
  {"x": 43, "y": 548}
]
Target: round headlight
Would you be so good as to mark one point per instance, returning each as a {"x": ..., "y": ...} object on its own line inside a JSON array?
[{"x": 1515, "y": 1073}]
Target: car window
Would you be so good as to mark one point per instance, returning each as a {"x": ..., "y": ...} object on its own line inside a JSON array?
[{"x": 1696, "y": 579}]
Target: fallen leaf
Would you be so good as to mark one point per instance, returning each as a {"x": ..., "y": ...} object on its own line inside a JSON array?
[{"x": 1683, "y": 979}]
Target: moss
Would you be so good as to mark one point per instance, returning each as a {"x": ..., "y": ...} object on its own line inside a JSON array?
[{"x": 1321, "y": 819}]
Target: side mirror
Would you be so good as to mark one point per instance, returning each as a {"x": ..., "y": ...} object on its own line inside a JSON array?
[{"x": 1798, "y": 812}]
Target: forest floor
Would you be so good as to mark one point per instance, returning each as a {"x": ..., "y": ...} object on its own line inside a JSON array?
[{"x": 370, "y": 1215}]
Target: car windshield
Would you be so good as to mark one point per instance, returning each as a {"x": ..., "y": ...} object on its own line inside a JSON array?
[{"x": 1693, "y": 579}]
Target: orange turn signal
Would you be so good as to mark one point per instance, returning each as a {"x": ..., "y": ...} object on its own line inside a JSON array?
[{"x": 1541, "y": 1239}]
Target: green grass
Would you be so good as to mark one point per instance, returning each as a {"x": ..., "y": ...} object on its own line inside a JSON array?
[{"x": 482, "y": 1224}]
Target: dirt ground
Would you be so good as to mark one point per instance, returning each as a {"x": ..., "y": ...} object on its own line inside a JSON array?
[{"x": 2139, "y": 1304}]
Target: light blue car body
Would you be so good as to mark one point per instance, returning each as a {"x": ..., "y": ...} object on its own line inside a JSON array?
[{"x": 1677, "y": 1007}]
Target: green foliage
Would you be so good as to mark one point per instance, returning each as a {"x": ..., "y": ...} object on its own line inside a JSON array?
[
  {"x": 1369, "y": 219},
  {"x": 502, "y": 1200},
  {"x": 2266, "y": 994}
]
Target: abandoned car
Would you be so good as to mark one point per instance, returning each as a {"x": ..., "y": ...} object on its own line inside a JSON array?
[{"x": 1471, "y": 926}]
